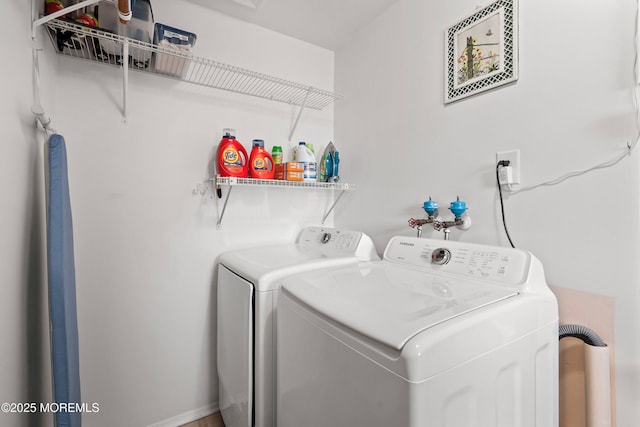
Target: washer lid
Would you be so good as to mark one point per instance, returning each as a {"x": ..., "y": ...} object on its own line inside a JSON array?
[{"x": 388, "y": 303}]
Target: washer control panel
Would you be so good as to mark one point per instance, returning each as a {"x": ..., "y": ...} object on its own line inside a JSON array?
[{"x": 495, "y": 263}]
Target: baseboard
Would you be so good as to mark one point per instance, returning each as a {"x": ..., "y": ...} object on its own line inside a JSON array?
[{"x": 188, "y": 416}]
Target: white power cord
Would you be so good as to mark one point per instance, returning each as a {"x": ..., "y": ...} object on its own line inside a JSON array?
[
  {"x": 630, "y": 147},
  {"x": 562, "y": 178}
]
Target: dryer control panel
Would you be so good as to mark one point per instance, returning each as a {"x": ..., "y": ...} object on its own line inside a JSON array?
[
  {"x": 505, "y": 265},
  {"x": 335, "y": 241}
]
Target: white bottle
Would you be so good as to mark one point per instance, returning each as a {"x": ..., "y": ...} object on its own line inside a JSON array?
[{"x": 305, "y": 156}]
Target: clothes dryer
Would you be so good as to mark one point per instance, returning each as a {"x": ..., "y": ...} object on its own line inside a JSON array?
[
  {"x": 248, "y": 282},
  {"x": 438, "y": 333}
]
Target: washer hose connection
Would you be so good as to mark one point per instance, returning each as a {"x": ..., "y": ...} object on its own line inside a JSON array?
[{"x": 583, "y": 333}]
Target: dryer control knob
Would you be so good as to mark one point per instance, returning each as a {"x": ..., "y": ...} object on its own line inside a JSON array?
[
  {"x": 440, "y": 256},
  {"x": 326, "y": 237}
]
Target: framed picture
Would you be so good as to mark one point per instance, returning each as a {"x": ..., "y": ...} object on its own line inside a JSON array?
[{"x": 482, "y": 51}]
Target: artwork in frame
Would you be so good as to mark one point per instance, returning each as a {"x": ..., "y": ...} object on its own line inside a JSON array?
[{"x": 482, "y": 51}]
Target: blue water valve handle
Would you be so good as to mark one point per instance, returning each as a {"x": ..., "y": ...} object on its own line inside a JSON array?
[
  {"x": 458, "y": 208},
  {"x": 430, "y": 207}
]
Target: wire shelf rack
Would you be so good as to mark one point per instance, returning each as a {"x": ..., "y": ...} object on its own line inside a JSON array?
[
  {"x": 231, "y": 182},
  {"x": 96, "y": 45},
  {"x": 252, "y": 182}
]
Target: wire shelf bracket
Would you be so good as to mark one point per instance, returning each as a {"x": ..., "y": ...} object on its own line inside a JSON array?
[{"x": 295, "y": 124}]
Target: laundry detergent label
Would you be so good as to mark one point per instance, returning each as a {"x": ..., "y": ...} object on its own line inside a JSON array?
[
  {"x": 259, "y": 164},
  {"x": 231, "y": 157},
  {"x": 310, "y": 172}
]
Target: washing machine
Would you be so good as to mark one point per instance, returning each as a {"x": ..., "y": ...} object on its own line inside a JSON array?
[
  {"x": 248, "y": 282},
  {"x": 436, "y": 334}
]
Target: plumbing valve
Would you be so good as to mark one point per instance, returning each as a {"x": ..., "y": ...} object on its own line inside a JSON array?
[
  {"x": 430, "y": 207},
  {"x": 458, "y": 208}
]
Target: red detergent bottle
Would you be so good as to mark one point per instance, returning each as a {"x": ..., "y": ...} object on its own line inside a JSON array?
[
  {"x": 232, "y": 157},
  {"x": 260, "y": 161}
]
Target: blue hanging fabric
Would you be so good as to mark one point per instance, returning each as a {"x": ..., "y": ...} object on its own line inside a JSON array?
[{"x": 62, "y": 289}]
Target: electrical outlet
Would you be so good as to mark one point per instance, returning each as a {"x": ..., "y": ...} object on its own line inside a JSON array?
[{"x": 514, "y": 162}]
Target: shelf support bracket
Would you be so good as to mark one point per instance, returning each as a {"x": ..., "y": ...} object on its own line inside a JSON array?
[
  {"x": 224, "y": 207},
  {"x": 295, "y": 124},
  {"x": 335, "y": 202},
  {"x": 125, "y": 78}
]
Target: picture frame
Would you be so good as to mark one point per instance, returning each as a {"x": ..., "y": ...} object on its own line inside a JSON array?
[{"x": 482, "y": 51}]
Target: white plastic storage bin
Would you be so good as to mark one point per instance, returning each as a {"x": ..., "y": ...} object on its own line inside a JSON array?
[
  {"x": 178, "y": 43},
  {"x": 139, "y": 28}
]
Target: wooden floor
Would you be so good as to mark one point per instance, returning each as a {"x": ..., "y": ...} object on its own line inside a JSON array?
[{"x": 213, "y": 420}]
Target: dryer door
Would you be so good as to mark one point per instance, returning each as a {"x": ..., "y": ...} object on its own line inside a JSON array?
[{"x": 235, "y": 348}]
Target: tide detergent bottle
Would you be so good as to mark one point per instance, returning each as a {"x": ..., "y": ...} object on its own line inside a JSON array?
[
  {"x": 260, "y": 161},
  {"x": 232, "y": 157}
]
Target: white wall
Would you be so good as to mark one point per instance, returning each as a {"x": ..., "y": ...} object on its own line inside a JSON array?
[
  {"x": 24, "y": 335},
  {"x": 571, "y": 108},
  {"x": 145, "y": 247}
]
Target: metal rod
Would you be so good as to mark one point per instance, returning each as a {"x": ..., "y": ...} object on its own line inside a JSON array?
[
  {"x": 125, "y": 78},
  {"x": 224, "y": 207},
  {"x": 295, "y": 124},
  {"x": 335, "y": 202}
]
